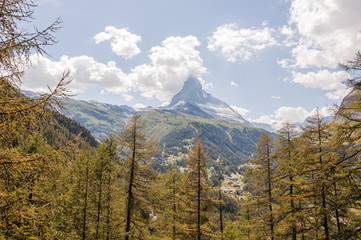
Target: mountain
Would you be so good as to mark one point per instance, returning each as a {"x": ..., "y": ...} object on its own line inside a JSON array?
[
  {"x": 265, "y": 126},
  {"x": 192, "y": 114},
  {"x": 193, "y": 100},
  {"x": 177, "y": 132},
  {"x": 100, "y": 118},
  {"x": 61, "y": 129}
]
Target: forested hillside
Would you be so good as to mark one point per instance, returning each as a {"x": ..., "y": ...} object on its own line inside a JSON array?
[
  {"x": 230, "y": 141},
  {"x": 177, "y": 132}
]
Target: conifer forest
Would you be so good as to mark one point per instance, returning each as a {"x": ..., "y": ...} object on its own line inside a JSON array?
[{"x": 58, "y": 182}]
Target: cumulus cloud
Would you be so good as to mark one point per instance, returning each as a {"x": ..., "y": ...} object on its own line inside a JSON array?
[
  {"x": 166, "y": 103},
  {"x": 138, "y": 106},
  {"x": 235, "y": 43},
  {"x": 324, "y": 79},
  {"x": 329, "y": 32},
  {"x": 291, "y": 115},
  {"x": 84, "y": 72},
  {"x": 122, "y": 42},
  {"x": 240, "y": 110},
  {"x": 171, "y": 64},
  {"x": 233, "y": 84}
]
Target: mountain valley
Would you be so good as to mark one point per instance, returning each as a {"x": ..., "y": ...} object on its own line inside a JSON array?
[{"x": 192, "y": 114}]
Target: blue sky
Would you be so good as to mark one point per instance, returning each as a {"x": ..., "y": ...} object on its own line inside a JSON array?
[{"x": 272, "y": 60}]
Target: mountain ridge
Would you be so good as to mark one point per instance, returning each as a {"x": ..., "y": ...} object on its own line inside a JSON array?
[
  {"x": 192, "y": 114},
  {"x": 192, "y": 95}
]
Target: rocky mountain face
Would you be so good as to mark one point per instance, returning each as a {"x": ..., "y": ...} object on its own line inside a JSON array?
[{"x": 193, "y": 100}]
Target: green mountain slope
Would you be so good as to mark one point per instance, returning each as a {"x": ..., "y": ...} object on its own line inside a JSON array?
[
  {"x": 61, "y": 128},
  {"x": 177, "y": 132},
  {"x": 100, "y": 119}
]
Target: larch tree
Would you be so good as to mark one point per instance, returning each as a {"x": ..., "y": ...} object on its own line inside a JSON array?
[
  {"x": 20, "y": 118},
  {"x": 261, "y": 180},
  {"x": 317, "y": 160},
  {"x": 220, "y": 206},
  {"x": 170, "y": 205},
  {"x": 138, "y": 154},
  {"x": 104, "y": 165},
  {"x": 198, "y": 195},
  {"x": 287, "y": 181},
  {"x": 347, "y": 125}
]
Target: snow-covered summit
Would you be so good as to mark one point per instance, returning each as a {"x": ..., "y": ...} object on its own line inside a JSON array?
[{"x": 193, "y": 100}]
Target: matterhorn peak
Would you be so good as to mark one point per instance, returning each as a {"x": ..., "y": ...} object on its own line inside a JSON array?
[{"x": 192, "y": 99}]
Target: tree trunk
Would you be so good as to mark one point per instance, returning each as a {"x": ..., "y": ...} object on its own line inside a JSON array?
[
  {"x": 108, "y": 209},
  {"x": 220, "y": 207},
  {"x": 199, "y": 196},
  {"x": 337, "y": 213},
  {"x": 248, "y": 220},
  {"x": 174, "y": 207},
  {"x": 270, "y": 191},
  {"x": 292, "y": 203},
  {"x": 323, "y": 194},
  {"x": 99, "y": 201},
  {"x": 130, "y": 188},
  {"x": 85, "y": 198}
]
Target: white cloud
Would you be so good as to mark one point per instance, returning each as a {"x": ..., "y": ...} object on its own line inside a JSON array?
[
  {"x": 264, "y": 23},
  {"x": 234, "y": 84},
  {"x": 291, "y": 115},
  {"x": 138, "y": 106},
  {"x": 166, "y": 103},
  {"x": 275, "y": 97},
  {"x": 123, "y": 42},
  {"x": 325, "y": 111},
  {"x": 287, "y": 30},
  {"x": 207, "y": 86},
  {"x": 325, "y": 80},
  {"x": 329, "y": 32},
  {"x": 265, "y": 119},
  {"x": 240, "y": 43},
  {"x": 84, "y": 72},
  {"x": 290, "y": 35},
  {"x": 241, "y": 111},
  {"x": 171, "y": 65}
]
